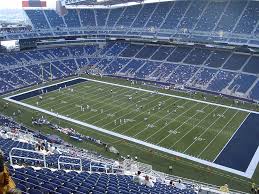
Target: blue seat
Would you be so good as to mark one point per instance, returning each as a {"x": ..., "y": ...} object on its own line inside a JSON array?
[
  {"x": 63, "y": 190},
  {"x": 21, "y": 187},
  {"x": 34, "y": 191}
]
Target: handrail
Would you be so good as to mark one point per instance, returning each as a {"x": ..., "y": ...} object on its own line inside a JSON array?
[
  {"x": 29, "y": 158},
  {"x": 72, "y": 163}
]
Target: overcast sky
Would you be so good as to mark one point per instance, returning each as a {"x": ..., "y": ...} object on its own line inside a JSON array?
[{"x": 17, "y": 4}]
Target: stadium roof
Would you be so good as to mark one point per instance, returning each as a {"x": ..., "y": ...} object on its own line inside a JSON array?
[
  {"x": 100, "y": 2},
  {"x": 82, "y": 3}
]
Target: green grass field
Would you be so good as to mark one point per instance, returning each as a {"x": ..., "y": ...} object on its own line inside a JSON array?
[
  {"x": 195, "y": 128},
  {"x": 189, "y": 127}
]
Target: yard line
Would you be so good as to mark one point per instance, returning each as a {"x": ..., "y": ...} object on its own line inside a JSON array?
[
  {"x": 132, "y": 112},
  {"x": 152, "y": 114},
  {"x": 181, "y": 124},
  {"x": 81, "y": 98},
  {"x": 172, "y": 95},
  {"x": 159, "y": 120},
  {"x": 63, "y": 94},
  {"x": 218, "y": 133},
  {"x": 100, "y": 102},
  {"x": 112, "y": 104},
  {"x": 193, "y": 127},
  {"x": 46, "y": 86},
  {"x": 205, "y": 131},
  {"x": 69, "y": 104},
  {"x": 75, "y": 94}
]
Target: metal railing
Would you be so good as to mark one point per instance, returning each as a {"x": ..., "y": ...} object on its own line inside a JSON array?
[
  {"x": 70, "y": 163},
  {"x": 11, "y": 156}
]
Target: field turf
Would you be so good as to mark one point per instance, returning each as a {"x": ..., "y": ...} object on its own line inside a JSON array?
[{"x": 186, "y": 126}]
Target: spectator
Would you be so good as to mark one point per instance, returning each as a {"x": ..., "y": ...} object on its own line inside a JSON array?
[
  {"x": 148, "y": 182},
  {"x": 224, "y": 188},
  {"x": 253, "y": 187},
  {"x": 7, "y": 184},
  {"x": 37, "y": 146},
  {"x": 137, "y": 178},
  {"x": 180, "y": 185},
  {"x": 171, "y": 183}
]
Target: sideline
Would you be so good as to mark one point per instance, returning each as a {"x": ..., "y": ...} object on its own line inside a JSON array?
[{"x": 248, "y": 174}]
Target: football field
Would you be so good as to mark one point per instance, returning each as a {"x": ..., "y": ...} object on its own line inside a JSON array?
[{"x": 187, "y": 126}]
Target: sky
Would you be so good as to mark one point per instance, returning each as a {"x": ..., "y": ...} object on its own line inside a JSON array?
[
  {"x": 12, "y": 11},
  {"x": 17, "y": 4}
]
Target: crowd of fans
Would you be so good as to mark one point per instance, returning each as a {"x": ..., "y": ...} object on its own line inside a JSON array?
[{"x": 73, "y": 134}]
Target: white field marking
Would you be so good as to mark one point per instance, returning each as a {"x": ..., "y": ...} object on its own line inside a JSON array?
[
  {"x": 170, "y": 120},
  {"x": 181, "y": 124},
  {"x": 52, "y": 93},
  {"x": 94, "y": 104},
  {"x": 105, "y": 110},
  {"x": 140, "y": 89},
  {"x": 112, "y": 107},
  {"x": 231, "y": 138},
  {"x": 119, "y": 107},
  {"x": 175, "y": 96},
  {"x": 131, "y": 113},
  {"x": 152, "y": 114},
  {"x": 63, "y": 95},
  {"x": 216, "y": 120},
  {"x": 161, "y": 119},
  {"x": 253, "y": 163},
  {"x": 247, "y": 174},
  {"x": 46, "y": 86},
  {"x": 218, "y": 133},
  {"x": 111, "y": 103},
  {"x": 77, "y": 98},
  {"x": 194, "y": 126}
]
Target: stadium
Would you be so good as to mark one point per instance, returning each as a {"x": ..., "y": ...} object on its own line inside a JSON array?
[{"x": 129, "y": 96}]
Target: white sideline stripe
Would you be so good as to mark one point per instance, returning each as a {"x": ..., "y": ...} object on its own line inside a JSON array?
[
  {"x": 248, "y": 174},
  {"x": 175, "y": 96},
  {"x": 140, "y": 89}
]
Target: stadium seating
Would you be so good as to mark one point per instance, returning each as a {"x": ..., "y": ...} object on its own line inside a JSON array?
[
  {"x": 182, "y": 74},
  {"x": 235, "y": 62},
  {"x": 228, "y": 20},
  {"x": 54, "y": 19},
  {"x": 115, "y": 66},
  {"x": 34, "y": 178},
  {"x": 163, "y": 71},
  {"x": 242, "y": 83},
  {"x": 162, "y": 53},
  {"x": 197, "y": 56},
  {"x": 38, "y": 19},
  {"x": 210, "y": 16},
  {"x": 147, "y": 69},
  {"x": 172, "y": 64},
  {"x": 72, "y": 19},
  {"x": 203, "y": 76},
  {"x": 147, "y": 51},
  {"x": 217, "y": 58},
  {"x": 220, "y": 81},
  {"x": 45, "y": 180},
  {"x": 252, "y": 65}
]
